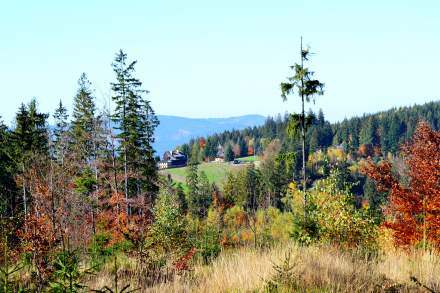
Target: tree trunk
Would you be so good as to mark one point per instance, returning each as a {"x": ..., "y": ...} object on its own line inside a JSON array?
[
  {"x": 303, "y": 136},
  {"x": 24, "y": 195}
]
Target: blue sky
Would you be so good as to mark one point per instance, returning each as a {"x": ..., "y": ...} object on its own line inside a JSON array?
[{"x": 222, "y": 58}]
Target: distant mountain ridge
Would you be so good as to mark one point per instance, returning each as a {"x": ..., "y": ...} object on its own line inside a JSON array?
[{"x": 175, "y": 130}]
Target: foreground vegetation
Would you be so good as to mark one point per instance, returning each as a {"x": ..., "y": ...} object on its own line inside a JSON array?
[{"x": 293, "y": 268}]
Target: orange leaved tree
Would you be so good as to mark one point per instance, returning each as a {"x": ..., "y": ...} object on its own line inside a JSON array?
[{"x": 413, "y": 212}]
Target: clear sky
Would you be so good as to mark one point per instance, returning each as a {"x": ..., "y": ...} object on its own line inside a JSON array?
[{"x": 222, "y": 58}]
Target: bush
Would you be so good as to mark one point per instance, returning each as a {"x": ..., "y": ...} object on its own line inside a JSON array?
[
  {"x": 67, "y": 274},
  {"x": 208, "y": 245},
  {"x": 101, "y": 248},
  {"x": 168, "y": 239},
  {"x": 332, "y": 217},
  {"x": 260, "y": 228}
]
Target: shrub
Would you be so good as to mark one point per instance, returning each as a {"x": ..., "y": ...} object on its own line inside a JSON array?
[
  {"x": 332, "y": 216},
  {"x": 284, "y": 279},
  {"x": 208, "y": 245},
  {"x": 102, "y": 247},
  {"x": 67, "y": 275},
  {"x": 167, "y": 243}
]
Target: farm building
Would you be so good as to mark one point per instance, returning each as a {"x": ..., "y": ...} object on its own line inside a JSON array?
[{"x": 172, "y": 159}]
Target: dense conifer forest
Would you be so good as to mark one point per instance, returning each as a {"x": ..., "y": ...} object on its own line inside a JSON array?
[{"x": 385, "y": 131}]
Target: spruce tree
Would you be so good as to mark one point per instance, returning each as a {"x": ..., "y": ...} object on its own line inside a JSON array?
[
  {"x": 8, "y": 191},
  {"x": 181, "y": 198},
  {"x": 229, "y": 154},
  {"x": 136, "y": 121},
  {"x": 147, "y": 126},
  {"x": 29, "y": 141},
  {"x": 59, "y": 132},
  {"x": 204, "y": 198},
  {"x": 307, "y": 89},
  {"x": 192, "y": 181},
  {"x": 125, "y": 89},
  {"x": 83, "y": 121},
  {"x": 368, "y": 132}
]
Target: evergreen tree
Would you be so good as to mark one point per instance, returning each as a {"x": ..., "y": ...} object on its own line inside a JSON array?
[
  {"x": 83, "y": 122},
  {"x": 366, "y": 134},
  {"x": 8, "y": 190},
  {"x": 30, "y": 141},
  {"x": 126, "y": 90},
  {"x": 229, "y": 154},
  {"x": 196, "y": 153},
  {"x": 183, "y": 204},
  {"x": 192, "y": 181},
  {"x": 136, "y": 120},
  {"x": 60, "y": 133},
  {"x": 394, "y": 134},
  {"x": 185, "y": 149},
  {"x": 204, "y": 198},
  {"x": 320, "y": 120},
  {"x": 147, "y": 167},
  {"x": 376, "y": 200},
  {"x": 253, "y": 189},
  {"x": 210, "y": 151},
  {"x": 30, "y": 133},
  {"x": 307, "y": 89},
  {"x": 243, "y": 147},
  {"x": 314, "y": 140}
]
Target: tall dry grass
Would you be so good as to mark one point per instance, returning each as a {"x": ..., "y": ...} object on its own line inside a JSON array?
[{"x": 316, "y": 269}]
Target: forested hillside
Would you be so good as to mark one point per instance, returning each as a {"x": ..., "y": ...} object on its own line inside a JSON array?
[
  {"x": 174, "y": 130},
  {"x": 385, "y": 131}
]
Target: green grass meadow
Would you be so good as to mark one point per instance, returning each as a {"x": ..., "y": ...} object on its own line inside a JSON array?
[{"x": 215, "y": 171}]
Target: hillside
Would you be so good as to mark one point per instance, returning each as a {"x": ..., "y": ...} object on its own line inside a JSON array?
[
  {"x": 215, "y": 171},
  {"x": 174, "y": 130},
  {"x": 385, "y": 130}
]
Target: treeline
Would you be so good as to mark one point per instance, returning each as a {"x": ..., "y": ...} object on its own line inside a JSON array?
[{"x": 382, "y": 132}]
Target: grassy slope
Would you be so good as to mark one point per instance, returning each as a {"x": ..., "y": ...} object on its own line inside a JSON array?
[
  {"x": 249, "y": 159},
  {"x": 216, "y": 172},
  {"x": 314, "y": 269}
]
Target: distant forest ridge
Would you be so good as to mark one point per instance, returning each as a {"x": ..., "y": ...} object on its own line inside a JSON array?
[
  {"x": 385, "y": 130},
  {"x": 174, "y": 130}
]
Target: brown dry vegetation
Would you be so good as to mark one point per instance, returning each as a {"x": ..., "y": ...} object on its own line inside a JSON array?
[{"x": 316, "y": 269}]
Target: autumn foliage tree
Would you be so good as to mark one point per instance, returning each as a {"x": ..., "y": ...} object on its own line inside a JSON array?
[{"x": 413, "y": 212}]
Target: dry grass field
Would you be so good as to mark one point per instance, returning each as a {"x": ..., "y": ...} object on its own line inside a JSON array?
[{"x": 312, "y": 269}]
